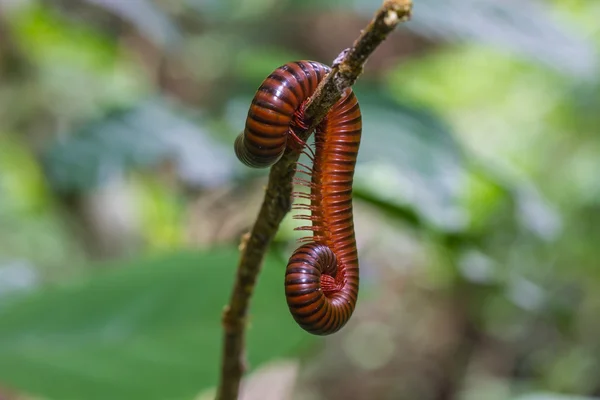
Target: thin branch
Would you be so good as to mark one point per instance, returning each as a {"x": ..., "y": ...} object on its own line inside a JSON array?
[{"x": 277, "y": 202}]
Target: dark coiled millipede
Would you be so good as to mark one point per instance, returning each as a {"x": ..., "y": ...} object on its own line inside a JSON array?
[{"x": 321, "y": 281}]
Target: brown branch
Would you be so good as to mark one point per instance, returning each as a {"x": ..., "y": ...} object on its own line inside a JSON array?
[{"x": 277, "y": 202}]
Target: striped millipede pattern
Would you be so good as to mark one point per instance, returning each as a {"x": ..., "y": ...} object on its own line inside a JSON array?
[{"x": 321, "y": 281}]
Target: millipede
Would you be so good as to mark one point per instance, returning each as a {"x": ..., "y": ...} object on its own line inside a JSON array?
[{"x": 321, "y": 280}]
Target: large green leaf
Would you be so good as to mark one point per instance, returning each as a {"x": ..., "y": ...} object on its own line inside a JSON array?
[{"x": 149, "y": 329}]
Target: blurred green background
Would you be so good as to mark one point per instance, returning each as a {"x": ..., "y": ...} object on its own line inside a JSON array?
[{"x": 477, "y": 201}]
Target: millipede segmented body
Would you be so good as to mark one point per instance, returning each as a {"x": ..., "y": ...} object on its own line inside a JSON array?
[{"x": 321, "y": 281}]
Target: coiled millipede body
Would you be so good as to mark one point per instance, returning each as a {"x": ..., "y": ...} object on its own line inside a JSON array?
[{"x": 321, "y": 281}]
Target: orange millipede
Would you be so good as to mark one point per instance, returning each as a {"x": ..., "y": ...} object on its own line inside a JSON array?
[{"x": 321, "y": 281}]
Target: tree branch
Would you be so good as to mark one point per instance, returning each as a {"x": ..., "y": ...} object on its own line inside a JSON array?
[{"x": 277, "y": 202}]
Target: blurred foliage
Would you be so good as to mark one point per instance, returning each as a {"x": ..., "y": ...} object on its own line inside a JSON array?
[
  {"x": 508, "y": 25},
  {"x": 145, "y": 136},
  {"x": 476, "y": 196}
]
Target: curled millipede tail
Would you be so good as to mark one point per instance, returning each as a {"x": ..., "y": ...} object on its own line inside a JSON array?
[{"x": 315, "y": 305}]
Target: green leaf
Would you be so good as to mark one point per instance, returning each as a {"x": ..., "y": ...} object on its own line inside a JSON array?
[
  {"x": 410, "y": 160},
  {"x": 146, "y": 329}
]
